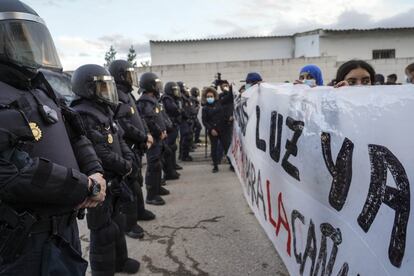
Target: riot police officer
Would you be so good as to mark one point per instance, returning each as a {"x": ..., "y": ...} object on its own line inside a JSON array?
[
  {"x": 186, "y": 123},
  {"x": 98, "y": 97},
  {"x": 195, "y": 94},
  {"x": 43, "y": 152},
  {"x": 138, "y": 139},
  {"x": 168, "y": 157},
  {"x": 149, "y": 109},
  {"x": 171, "y": 100}
]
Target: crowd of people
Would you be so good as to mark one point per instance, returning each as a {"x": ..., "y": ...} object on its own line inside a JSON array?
[{"x": 350, "y": 73}]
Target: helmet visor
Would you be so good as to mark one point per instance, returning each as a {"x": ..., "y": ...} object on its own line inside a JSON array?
[
  {"x": 131, "y": 77},
  {"x": 105, "y": 89},
  {"x": 28, "y": 44},
  {"x": 176, "y": 91},
  {"x": 158, "y": 86}
]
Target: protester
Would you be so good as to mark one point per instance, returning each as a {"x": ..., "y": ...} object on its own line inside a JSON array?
[
  {"x": 242, "y": 89},
  {"x": 391, "y": 79},
  {"x": 355, "y": 72},
  {"x": 252, "y": 78},
  {"x": 310, "y": 75},
  {"x": 409, "y": 72},
  {"x": 213, "y": 117},
  {"x": 379, "y": 79}
]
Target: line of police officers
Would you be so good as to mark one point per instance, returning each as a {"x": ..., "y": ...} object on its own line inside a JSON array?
[{"x": 56, "y": 161}]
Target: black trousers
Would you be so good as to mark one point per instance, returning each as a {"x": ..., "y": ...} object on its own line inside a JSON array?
[
  {"x": 197, "y": 129},
  {"x": 136, "y": 207},
  {"x": 108, "y": 250},
  {"x": 168, "y": 159},
  {"x": 224, "y": 138},
  {"x": 185, "y": 139},
  {"x": 154, "y": 167}
]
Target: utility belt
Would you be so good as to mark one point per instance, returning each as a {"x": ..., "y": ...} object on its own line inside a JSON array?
[{"x": 16, "y": 228}]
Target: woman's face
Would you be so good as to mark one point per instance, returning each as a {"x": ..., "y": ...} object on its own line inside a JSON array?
[
  {"x": 209, "y": 95},
  {"x": 306, "y": 76},
  {"x": 358, "y": 76}
]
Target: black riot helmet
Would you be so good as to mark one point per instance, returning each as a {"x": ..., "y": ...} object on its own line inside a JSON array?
[
  {"x": 184, "y": 89},
  {"x": 171, "y": 88},
  {"x": 123, "y": 73},
  {"x": 150, "y": 83},
  {"x": 94, "y": 82},
  {"x": 195, "y": 92},
  {"x": 25, "y": 43}
]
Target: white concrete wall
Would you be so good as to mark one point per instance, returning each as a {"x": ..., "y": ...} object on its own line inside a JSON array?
[
  {"x": 277, "y": 70},
  {"x": 307, "y": 46},
  {"x": 346, "y": 46},
  {"x": 202, "y": 74},
  {"x": 208, "y": 51}
]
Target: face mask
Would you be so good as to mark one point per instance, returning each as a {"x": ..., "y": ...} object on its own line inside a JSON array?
[
  {"x": 310, "y": 83},
  {"x": 210, "y": 100},
  {"x": 248, "y": 85},
  {"x": 226, "y": 89}
]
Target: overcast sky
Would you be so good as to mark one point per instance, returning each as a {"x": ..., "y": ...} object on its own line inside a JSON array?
[{"x": 83, "y": 30}]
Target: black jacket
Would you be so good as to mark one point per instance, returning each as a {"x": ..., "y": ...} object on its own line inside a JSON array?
[
  {"x": 216, "y": 115},
  {"x": 150, "y": 111},
  {"x": 128, "y": 117},
  {"x": 106, "y": 136},
  {"x": 49, "y": 180},
  {"x": 173, "y": 109}
]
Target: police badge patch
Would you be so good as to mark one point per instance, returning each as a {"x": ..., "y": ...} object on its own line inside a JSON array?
[{"x": 36, "y": 131}]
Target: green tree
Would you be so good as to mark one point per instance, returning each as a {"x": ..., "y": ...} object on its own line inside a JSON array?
[
  {"x": 132, "y": 55},
  {"x": 110, "y": 56}
]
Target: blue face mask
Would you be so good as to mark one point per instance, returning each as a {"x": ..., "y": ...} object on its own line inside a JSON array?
[
  {"x": 310, "y": 82},
  {"x": 248, "y": 85},
  {"x": 210, "y": 100}
]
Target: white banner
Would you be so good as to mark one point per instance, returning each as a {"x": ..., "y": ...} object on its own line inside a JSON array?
[{"x": 327, "y": 173}]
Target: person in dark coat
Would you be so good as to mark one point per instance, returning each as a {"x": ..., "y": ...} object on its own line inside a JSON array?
[{"x": 213, "y": 118}]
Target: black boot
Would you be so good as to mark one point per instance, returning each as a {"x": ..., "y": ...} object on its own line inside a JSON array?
[
  {"x": 146, "y": 215},
  {"x": 215, "y": 169},
  {"x": 130, "y": 266},
  {"x": 136, "y": 232},
  {"x": 155, "y": 200},
  {"x": 172, "y": 176},
  {"x": 178, "y": 167},
  {"x": 187, "y": 158},
  {"x": 164, "y": 191}
]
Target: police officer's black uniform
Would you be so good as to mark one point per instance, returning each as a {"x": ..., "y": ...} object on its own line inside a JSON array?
[
  {"x": 136, "y": 136},
  {"x": 195, "y": 93},
  {"x": 96, "y": 89},
  {"x": 171, "y": 100},
  {"x": 42, "y": 151},
  {"x": 168, "y": 159},
  {"x": 149, "y": 110},
  {"x": 186, "y": 130}
]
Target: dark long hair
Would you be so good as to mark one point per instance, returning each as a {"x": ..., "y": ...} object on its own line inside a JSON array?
[{"x": 350, "y": 65}]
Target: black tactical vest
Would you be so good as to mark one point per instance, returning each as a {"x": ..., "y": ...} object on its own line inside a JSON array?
[
  {"x": 51, "y": 139},
  {"x": 128, "y": 110},
  {"x": 104, "y": 123},
  {"x": 155, "y": 109}
]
